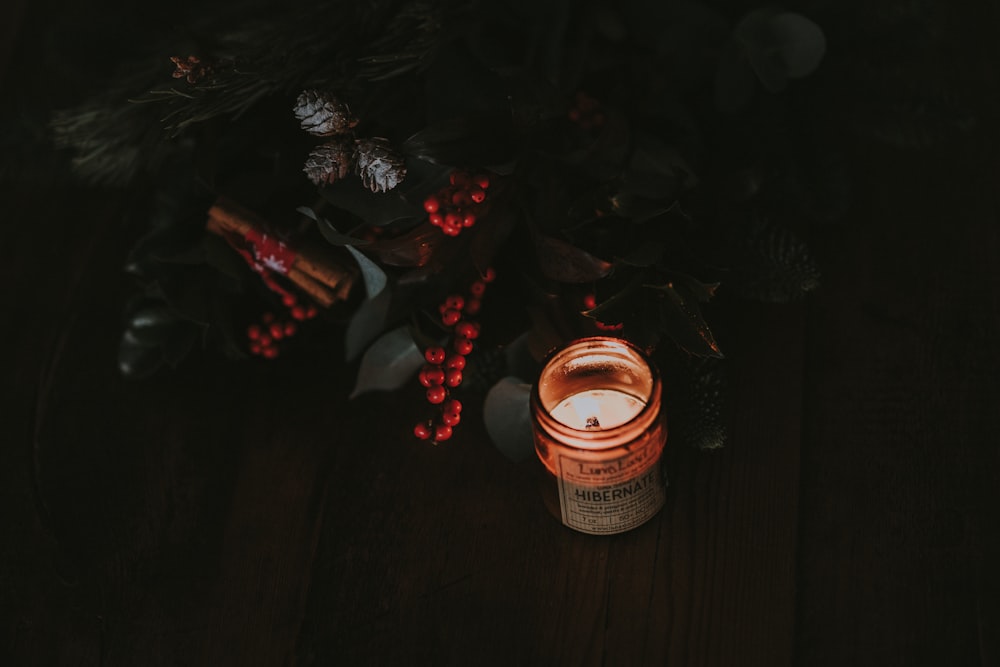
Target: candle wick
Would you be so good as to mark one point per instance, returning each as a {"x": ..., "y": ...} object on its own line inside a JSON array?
[{"x": 593, "y": 423}]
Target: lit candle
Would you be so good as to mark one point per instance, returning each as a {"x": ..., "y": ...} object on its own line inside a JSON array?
[{"x": 599, "y": 432}]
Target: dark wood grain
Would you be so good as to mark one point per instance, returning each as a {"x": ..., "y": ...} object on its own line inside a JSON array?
[{"x": 250, "y": 514}]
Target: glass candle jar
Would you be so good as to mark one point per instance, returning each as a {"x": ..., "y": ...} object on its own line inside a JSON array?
[{"x": 599, "y": 433}]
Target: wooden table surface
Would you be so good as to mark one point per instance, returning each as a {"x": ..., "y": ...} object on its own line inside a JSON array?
[{"x": 249, "y": 514}]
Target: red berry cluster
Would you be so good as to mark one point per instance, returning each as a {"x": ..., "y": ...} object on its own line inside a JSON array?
[
  {"x": 586, "y": 112},
  {"x": 454, "y": 207},
  {"x": 443, "y": 370},
  {"x": 263, "y": 339},
  {"x": 589, "y": 302}
]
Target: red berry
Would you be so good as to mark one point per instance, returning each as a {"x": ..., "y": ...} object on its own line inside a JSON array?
[
  {"x": 265, "y": 340},
  {"x": 589, "y": 301},
  {"x": 432, "y": 204},
  {"x": 436, "y": 394},
  {"x": 490, "y": 276},
  {"x": 453, "y": 220},
  {"x": 453, "y": 378},
  {"x": 477, "y": 288},
  {"x": 299, "y": 312},
  {"x": 482, "y": 180},
  {"x": 461, "y": 198},
  {"x": 451, "y": 230},
  {"x": 431, "y": 376},
  {"x": 454, "y": 301},
  {"x": 253, "y": 332},
  {"x": 467, "y": 330},
  {"x": 454, "y": 406},
  {"x": 269, "y": 352},
  {"x": 290, "y": 328},
  {"x": 289, "y": 300},
  {"x": 469, "y": 220},
  {"x": 455, "y": 361},
  {"x": 477, "y": 195},
  {"x": 472, "y": 306},
  {"x": 436, "y": 219},
  {"x": 442, "y": 432},
  {"x": 450, "y": 317},
  {"x": 277, "y": 331},
  {"x": 435, "y": 354},
  {"x": 422, "y": 431},
  {"x": 451, "y": 418},
  {"x": 463, "y": 346},
  {"x": 255, "y": 348},
  {"x": 459, "y": 178},
  {"x": 311, "y": 312}
]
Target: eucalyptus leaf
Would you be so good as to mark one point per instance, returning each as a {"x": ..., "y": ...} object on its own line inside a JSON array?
[
  {"x": 780, "y": 45},
  {"x": 389, "y": 363},
  {"x": 374, "y": 277},
  {"x": 801, "y": 42},
  {"x": 151, "y": 325},
  {"x": 507, "y": 414},
  {"x": 137, "y": 359},
  {"x": 366, "y": 323}
]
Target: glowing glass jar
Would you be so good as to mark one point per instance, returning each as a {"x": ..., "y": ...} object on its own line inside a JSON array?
[{"x": 599, "y": 432}]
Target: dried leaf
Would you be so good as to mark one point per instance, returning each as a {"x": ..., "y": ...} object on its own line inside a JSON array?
[
  {"x": 681, "y": 318},
  {"x": 564, "y": 262},
  {"x": 415, "y": 248},
  {"x": 389, "y": 363},
  {"x": 507, "y": 414}
]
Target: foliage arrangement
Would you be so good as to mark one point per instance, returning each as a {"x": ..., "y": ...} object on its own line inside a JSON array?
[{"x": 614, "y": 165}]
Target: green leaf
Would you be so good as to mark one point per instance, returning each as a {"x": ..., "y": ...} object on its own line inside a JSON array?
[
  {"x": 647, "y": 254},
  {"x": 137, "y": 359},
  {"x": 681, "y": 318},
  {"x": 366, "y": 323},
  {"x": 468, "y": 140},
  {"x": 374, "y": 208},
  {"x": 389, "y": 363},
  {"x": 329, "y": 232},
  {"x": 374, "y": 277},
  {"x": 507, "y": 414}
]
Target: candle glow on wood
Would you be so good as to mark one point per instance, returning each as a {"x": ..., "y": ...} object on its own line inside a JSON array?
[{"x": 597, "y": 409}]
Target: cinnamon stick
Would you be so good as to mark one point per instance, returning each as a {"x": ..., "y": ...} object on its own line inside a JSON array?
[{"x": 324, "y": 281}]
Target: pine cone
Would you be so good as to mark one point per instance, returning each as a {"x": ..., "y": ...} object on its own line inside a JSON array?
[
  {"x": 329, "y": 162},
  {"x": 323, "y": 114},
  {"x": 380, "y": 167},
  {"x": 776, "y": 267}
]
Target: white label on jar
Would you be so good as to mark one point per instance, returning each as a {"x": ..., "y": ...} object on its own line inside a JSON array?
[{"x": 610, "y": 496}]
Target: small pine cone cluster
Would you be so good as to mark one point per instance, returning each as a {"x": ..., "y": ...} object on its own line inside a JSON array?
[
  {"x": 330, "y": 162},
  {"x": 381, "y": 168},
  {"x": 323, "y": 115}
]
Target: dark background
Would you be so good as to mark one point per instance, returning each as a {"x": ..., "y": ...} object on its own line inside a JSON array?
[{"x": 249, "y": 514}]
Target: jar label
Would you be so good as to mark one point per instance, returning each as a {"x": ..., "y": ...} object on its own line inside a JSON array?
[{"x": 609, "y": 496}]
